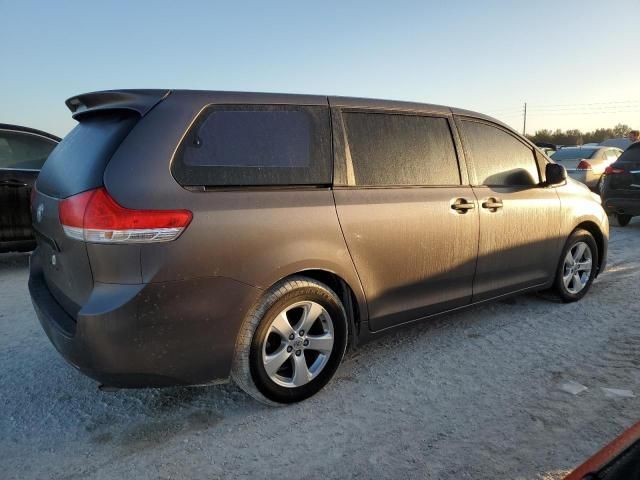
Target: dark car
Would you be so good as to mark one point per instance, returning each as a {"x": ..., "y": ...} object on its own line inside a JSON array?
[
  {"x": 621, "y": 186},
  {"x": 586, "y": 164},
  {"x": 22, "y": 152},
  {"x": 190, "y": 237}
]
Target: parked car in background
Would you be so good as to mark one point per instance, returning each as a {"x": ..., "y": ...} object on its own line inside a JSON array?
[
  {"x": 586, "y": 164},
  {"x": 22, "y": 152},
  {"x": 213, "y": 235},
  {"x": 621, "y": 186},
  {"x": 621, "y": 143},
  {"x": 547, "y": 148}
]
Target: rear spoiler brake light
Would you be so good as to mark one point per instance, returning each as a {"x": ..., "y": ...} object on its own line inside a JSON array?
[{"x": 139, "y": 101}]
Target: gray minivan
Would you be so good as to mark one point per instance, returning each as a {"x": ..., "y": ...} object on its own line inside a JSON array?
[{"x": 192, "y": 237}]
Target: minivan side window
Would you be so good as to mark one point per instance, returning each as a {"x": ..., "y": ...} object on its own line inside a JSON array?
[
  {"x": 399, "y": 149},
  {"x": 497, "y": 157},
  {"x": 23, "y": 151},
  {"x": 256, "y": 145}
]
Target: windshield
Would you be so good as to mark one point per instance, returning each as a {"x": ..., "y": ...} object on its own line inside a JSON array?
[{"x": 573, "y": 153}]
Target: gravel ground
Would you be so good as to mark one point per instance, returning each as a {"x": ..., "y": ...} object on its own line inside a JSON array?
[{"x": 471, "y": 395}]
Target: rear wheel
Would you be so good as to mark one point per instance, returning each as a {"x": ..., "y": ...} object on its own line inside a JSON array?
[
  {"x": 598, "y": 188},
  {"x": 292, "y": 344},
  {"x": 577, "y": 267},
  {"x": 623, "y": 220}
]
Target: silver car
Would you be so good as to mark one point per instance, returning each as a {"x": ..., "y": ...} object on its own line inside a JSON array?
[{"x": 586, "y": 164}]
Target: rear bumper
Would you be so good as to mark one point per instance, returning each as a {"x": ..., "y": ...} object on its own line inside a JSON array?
[
  {"x": 148, "y": 335},
  {"x": 628, "y": 206}
]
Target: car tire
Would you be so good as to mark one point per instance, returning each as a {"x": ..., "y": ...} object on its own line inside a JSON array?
[
  {"x": 573, "y": 279},
  {"x": 278, "y": 362},
  {"x": 598, "y": 188},
  {"x": 623, "y": 220}
]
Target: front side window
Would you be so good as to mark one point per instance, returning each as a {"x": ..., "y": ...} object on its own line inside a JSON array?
[
  {"x": 23, "y": 150},
  {"x": 396, "y": 149},
  {"x": 497, "y": 157},
  {"x": 256, "y": 145}
]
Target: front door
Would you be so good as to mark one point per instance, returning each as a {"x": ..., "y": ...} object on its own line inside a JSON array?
[
  {"x": 519, "y": 218},
  {"x": 410, "y": 225}
]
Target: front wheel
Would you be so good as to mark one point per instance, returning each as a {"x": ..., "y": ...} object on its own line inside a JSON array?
[
  {"x": 292, "y": 343},
  {"x": 577, "y": 267}
]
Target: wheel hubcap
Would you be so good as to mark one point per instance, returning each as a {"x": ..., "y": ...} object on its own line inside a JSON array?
[
  {"x": 577, "y": 267},
  {"x": 298, "y": 344}
]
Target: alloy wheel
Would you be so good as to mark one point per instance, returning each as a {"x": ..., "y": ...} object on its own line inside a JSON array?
[
  {"x": 576, "y": 270},
  {"x": 298, "y": 344}
]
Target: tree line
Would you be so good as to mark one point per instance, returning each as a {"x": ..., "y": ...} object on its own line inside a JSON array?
[{"x": 577, "y": 137}]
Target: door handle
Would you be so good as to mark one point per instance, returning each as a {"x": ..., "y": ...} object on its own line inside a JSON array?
[
  {"x": 492, "y": 204},
  {"x": 461, "y": 205},
  {"x": 13, "y": 183}
]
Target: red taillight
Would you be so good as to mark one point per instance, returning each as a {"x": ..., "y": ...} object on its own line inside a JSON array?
[
  {"x": 94, "y": 216},
  {"x": 610, "y": 170},
  {"x": 583, "y": 165}
]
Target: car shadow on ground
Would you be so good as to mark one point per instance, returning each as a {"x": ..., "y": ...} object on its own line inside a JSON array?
[{"x": 141, "y": 417}]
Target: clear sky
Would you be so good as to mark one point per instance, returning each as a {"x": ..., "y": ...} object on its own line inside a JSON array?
[{"x": 576, "y": 63}]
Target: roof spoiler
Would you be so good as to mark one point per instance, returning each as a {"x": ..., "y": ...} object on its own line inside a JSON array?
[{"x": 139, "y": 101}]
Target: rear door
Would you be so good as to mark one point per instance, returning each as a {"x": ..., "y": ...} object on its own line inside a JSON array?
[
  {"x": 519, "y": 219},
  {"x": 21, "y": 157},
  {"x": 410, "y": 223}
]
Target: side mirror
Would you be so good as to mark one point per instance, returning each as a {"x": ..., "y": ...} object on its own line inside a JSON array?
[{"x": 555, "y": 174}]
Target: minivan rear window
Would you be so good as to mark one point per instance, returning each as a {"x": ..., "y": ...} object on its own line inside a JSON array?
[
  {"x": 78, "y": 162},
  {"x": 254, "y": 145}
]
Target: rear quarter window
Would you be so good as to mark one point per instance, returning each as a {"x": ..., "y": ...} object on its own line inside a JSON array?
[{"x": 256, "y": 145}]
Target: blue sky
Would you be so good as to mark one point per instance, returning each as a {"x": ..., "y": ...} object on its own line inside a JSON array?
[{"x": 577, "y": 64}]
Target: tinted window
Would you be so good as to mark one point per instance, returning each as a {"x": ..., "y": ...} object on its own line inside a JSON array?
[
  {"x": 78, "y": 162},
  {"x": 256, "y": 145},
  {"x": 389, "y": 149},
  {"x": 498, "y": 158},
  {"x": 573, "y": 153},
  {"x": 630, "y": 155},
  {"x": 23, "y": 150}
]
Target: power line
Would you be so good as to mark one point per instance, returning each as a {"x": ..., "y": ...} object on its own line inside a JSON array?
[
  {"x": 583, "y": 104},
  {"x": 626, "y": 106},
  {"x": 586, "y": 109},
  {"x": 541, "y": 114}
]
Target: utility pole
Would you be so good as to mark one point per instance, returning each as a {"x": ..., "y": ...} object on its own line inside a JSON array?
[{"x": 524, "y": 127}]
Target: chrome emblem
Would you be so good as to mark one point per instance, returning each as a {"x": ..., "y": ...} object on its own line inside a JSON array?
[{"x": 39, "y": 212}]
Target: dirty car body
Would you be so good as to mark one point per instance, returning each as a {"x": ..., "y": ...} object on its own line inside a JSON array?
[{"x": 399, "y": 235}]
